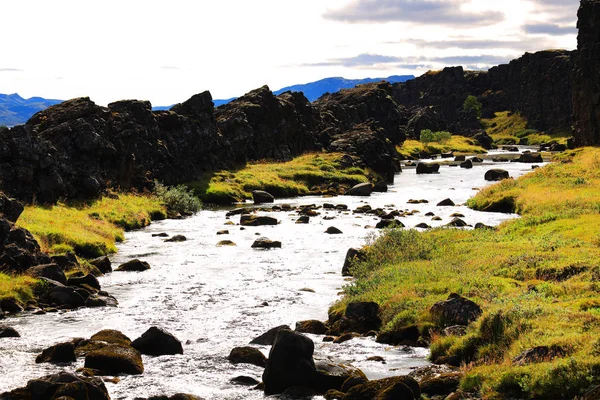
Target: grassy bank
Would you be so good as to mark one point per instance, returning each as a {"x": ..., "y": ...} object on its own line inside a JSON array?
[
  {"x": 536, "y": 278},
  {"x": 90, "y": 229},
  {"x": 301, "y": 176},
  {"x": 411, "y": 149},
  {"x": 511, "y": 128}
]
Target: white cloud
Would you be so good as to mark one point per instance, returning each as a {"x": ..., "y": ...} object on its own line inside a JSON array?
[{"x": 166, "y": 52}]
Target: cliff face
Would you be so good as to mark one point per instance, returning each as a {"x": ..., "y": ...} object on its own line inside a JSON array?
[
  {"x": 586, "y": 75},
  {"x": 536, "y": 85}
]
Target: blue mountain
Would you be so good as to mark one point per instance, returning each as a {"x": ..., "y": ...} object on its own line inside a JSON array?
[{"x": 16, "y": 110}]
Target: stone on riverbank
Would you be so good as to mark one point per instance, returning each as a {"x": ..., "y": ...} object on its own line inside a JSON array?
[
  {"x": 59, "y": 353},
  {"x": 8, "y": 332},
  {"x": 89, "y": 280},
  {"x": 260, "y": 197},
  {"x": 496, "y": 175},
  {"x": 66, "y": 297},
  {"x": 63, "y": 385},
  {"x": 362, "y": 189},
  {"x": 157, "y": 342},
  {"x": 103, "y": 264},
  {"x": 247, "y": 355},
  {"x": 134, "y": 265},
  {"x": 311, "y": 326},
  {"x": 352, "y": 256},
  {"x": 456, "y": 310},
  {"x": 360, "y": 317}
]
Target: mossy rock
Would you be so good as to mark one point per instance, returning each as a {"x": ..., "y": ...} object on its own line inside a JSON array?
[
  {"x": 398, "y": 387},
  {"x": 112, "y": 336},
  {"x": 247, "y": 355},
  {"x": 115, "y": 359}
]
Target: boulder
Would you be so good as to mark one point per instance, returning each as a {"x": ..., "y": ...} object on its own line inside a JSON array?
[
  {"x": 496, "y": 175},
  {"x": 225, "y": 243},
  {"x": 265, "y": 243},
  {"x": 398, "y": 387},
  {"x": 96, "y": 300},
  {"x": 157, "y": 342},
  {"x": 10, "y": 209},
  {"x": 380, "y": 187},
  {"x": 352, "y": 255},
  {"x": 247, "y": 355},
  {"x": 389, "y": 223},
  {"x": 89, "y": 280},
  {"x": 423, "y": 168},
  {"x": 134, "y": 265},
  {"x": 260, "y": 197},
  {"x": 290, "y": 364},
  {"x": 223, "y": 232},
  {"x": 66, "y": 262},
  {"x": 362, "y": 189},
  {"x": 176, "y": 238},
  {"x": 539, "y": 354},
  {"x": 60, "y": 353},
  {"x": 466, "y": 164},
  {"x": 456, "y": 310},
  {"x": 62, "y": 386},
  {"x": 459, "y": 158},
  {"x": 66, "y": 297},
  {"x": 103, "y": 264},
  {"x": 11, "y": 306},
  {"x": 244, "y": 381},
  {"x": 481, "y": 225},
  {"x": 332, "y": 230},
  {"x": 115, "y": 359},
  {"x": 441, "y": 385},
  {"x": 456, "y": 223},
  {"x": 422, "y": 225},
  {"x": 50, "y": 271},
  {"x": 268, "y": 338},
  {"x": 530, "y": 158},
  {"x": 360, "y": 317},
  {"x": 446, "y": 202},
  {"x": 311, "y": 326},
  {"x": 8, "y": 332},
  {"x": 303, "y": 219},
  {"x": 111, "y": 336},
  {"x": 256, "y": 220}
]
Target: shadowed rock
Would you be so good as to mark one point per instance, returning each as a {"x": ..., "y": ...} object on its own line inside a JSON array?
[
  {"x": 456, "y": 310},
  {"x": 134, "y": 265},
  {"x": 157, "y": 342}
]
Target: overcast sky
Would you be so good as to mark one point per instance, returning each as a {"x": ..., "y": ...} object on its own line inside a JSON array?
[{"x": 166, "y": 51}]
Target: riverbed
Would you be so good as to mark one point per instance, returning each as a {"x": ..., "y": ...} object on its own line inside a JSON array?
[{"x": 215, "y": 298}]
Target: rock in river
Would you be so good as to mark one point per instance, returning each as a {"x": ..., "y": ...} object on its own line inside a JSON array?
[
  {"x": 260, "y": 197},
  {"x": 268, "y": 337},
  {"x": 247, "y": 355},
  {"x": 256, "y": 220},
  {"x": 496, "y": 175},
  {"x": 332, "y": 230},
  {"x": 60, "y": 353},
  {"x": 134, "y": 265},
  {"x": 264, "y": 243},
  {"x": 63, "y": 385},
  {"x": 7, "y": 331},
  {"x": 362, "y": 189},
  {"x": 157, "y": 342},
  {"x": 423, "y": 168},
  {"x": 115, "y": 359}
]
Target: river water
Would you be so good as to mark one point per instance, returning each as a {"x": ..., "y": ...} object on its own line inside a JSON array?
[{"x": 216, "y": 298}]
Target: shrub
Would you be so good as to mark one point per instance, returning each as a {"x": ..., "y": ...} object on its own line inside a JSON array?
[
  {"x": 178, "y": 199},
  {"x": 471, "y": 104}
]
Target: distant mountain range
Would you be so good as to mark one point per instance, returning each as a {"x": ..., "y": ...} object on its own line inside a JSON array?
[{"x": 15, "y": 110}]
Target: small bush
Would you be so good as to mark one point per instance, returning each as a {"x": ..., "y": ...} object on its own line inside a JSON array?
[
  {"x": 178, "y": 199},
  {"x": 471, "y": 104}
]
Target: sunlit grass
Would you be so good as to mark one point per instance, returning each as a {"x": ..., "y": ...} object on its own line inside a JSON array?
[
  {"x": 89, "y": 229},
  {"x": 297, "y": 177},
  {"x": 457, "y": 144},
  {"x": 21, "y": 288},
  {"x": 511, "y": 128},
  {"x": 537, "y": 279}
]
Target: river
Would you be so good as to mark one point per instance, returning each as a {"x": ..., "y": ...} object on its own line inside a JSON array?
[{"x": 215, "y": 298}]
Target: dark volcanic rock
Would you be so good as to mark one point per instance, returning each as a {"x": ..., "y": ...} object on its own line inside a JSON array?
[
  {"x": 89, "y": 280},
  {"x": 176, "y": 238},
  {"x": 10, "y": 209},
  {"x": 115, "y": 359},
  {"x": 134, "y": 265},
  {"x": 264, "y": 243},
  {"x": 362, "y": 189},
  {"x": 398, "y": 387},
  {"x": 586, "y": 75},
  {"x": 257, "y": 220},
  {"x": 352, "y": 256},
  {"x": 539, "y": 354},
  {"x": 260, "y": 125},
  {"x": 496, "y": 175},
  {"x": 103, "y": 264},
  {"x": 7, "y": 331},
  {"x": 311, "y": 326},
  {"x": 247, "y": 355},
  {"x": 157, "y": 342},
  {"x": 260, "y": 197},
  {"x": 446, "y": 202},
  {"x": 60, "y": 353},
  {"x": 332, "y": 230},
  {"x": 268, "y": 337},
  {"x": 456, "y": 310},
  {"x": 66, "y": 297},
  {"x": 423, "y": 168},
  {"x": 63, "y": 385}
]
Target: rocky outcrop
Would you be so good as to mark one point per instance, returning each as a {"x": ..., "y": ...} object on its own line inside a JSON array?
[
  {"x": 260, "y": 125},
  {"x": 536, "y": 85},
  {"x": 586, "y": 75}
]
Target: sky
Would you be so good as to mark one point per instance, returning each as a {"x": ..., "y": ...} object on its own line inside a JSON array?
[{"x": 167, "y": 51}]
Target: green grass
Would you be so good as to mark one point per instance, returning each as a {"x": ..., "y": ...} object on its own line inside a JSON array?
[
  {"x": 537, "y": 279},
  {"x": 457, "y": 144},
  {"x": 303, "y": 175},
  {"x": 89, "y": 229},
  {"x": 21, "y": 288},
  {"x": 511, "y": 128}
]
